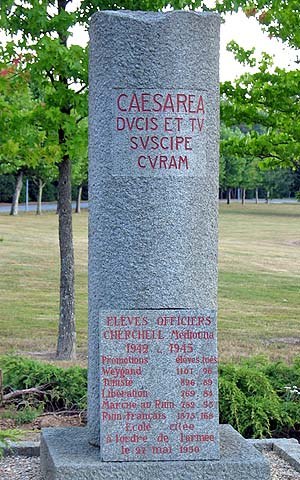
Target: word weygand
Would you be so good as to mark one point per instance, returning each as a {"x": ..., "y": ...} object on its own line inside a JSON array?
[{"x": 159, "y": 131}]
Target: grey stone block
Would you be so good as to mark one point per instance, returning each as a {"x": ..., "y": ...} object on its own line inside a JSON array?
[
  {"x": 261, "y": 443},
  {"x": 66, "y": 455},
  {"x": 22, "y": 448},
  {"x": 152, "y": 234},
  {"x": 289, "y": 450}
]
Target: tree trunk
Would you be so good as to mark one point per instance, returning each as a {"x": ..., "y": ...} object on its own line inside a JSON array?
[
  {"x": 18, "y": 188},
  {"x": 66, "y": 343},
  {"x": 228, "y": 195},
  {"x": 256, "y": 195},
  {"x": 243, "y": 196},
  {"x": 267, "y": 196},
  {"x": 78, "y": 200},
  {"x": 40, "y": 195}
]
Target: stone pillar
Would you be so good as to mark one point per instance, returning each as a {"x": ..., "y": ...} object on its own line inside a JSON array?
[{"x": 153, "y": 190}]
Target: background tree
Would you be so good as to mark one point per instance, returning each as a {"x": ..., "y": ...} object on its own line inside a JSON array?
[
  {"x": 272, "y": 101},
  {"x": 268, "y": 98},
  {"x": 277, "y": 183},
  {"x": 251, "y": 177},
  {"x": 59, "y": 72},
  {"x": 21, "y": 136},
  {"x": 280, "y": 19},
  {"x": 232, "y": 162},
  {"x": 44, "y": 173}
]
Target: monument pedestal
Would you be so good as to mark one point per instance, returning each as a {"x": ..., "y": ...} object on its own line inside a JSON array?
[{"x": 67, "y": 455}]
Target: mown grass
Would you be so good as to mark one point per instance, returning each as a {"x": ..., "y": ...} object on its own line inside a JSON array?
[
  {"x": 259, "y": 282},
  {"x": 29, "y": 282}
]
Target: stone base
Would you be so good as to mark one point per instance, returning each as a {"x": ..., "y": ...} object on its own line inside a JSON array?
[{"x": 67, "y": 455}]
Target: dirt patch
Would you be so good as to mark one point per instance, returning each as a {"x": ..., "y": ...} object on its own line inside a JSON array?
[
  {"x": 285, "y": 340},
  {"x": 293, "y": 243},
  {"x": 58, "y": 420},
  {"x": 32, "y": 430},
  {"x": 50, "y": 356}
]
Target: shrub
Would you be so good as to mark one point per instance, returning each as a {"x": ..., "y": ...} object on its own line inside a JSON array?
[
  {"x": 25, "y": 413},
  {"x": 67, "y": 387},
  {"x": 249, "y": 402}
]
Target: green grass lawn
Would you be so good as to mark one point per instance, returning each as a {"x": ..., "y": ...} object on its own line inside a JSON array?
[
  {"x": 259, "y": 282},
  {"x": 29, "y": 282}
]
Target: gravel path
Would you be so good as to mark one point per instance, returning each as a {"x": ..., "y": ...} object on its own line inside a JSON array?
[
  {"x": 280, "y": 469},
  {"x": 28, "y": 468},
  {"x": 20, "y": 468}
]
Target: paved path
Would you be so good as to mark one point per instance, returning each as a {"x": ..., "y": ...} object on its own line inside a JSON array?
[
  {"x": 262, "y": 201},
  {"x": 5, "y": 208},
  {"x": 46, "y": 207}
]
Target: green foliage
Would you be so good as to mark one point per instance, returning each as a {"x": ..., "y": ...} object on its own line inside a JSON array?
[
  {"x": 88, "y": 7},
  {"x": 280, "y": 19},
  {"x": 24, "y": 414},
  {"x": 254, "y": 399},
  {"x": 79, "y": 154},
  {"x": 6, "y": 436},
  {"x": 248, "y": 401},
  {"x": 245, "y": 57},
  {"x": 66, "y": 387},
  {"x": 43, "y": 89},
  {"x": 270, "y": 100},
  {"x": 232, "y": 162},
  {"x": 27, "y": 144}
]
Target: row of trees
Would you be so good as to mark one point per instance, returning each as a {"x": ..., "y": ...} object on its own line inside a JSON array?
[
  {"x": 43, "y": 100},
  {"x": 30, "y": 145},
  {"x": 242, "y": 171},
  {"x": 240, "y": 178},
  {"x": 31, "y": 190}
]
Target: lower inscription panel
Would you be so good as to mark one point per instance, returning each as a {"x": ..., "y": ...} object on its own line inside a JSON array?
[{"x": 159, "y": 385}]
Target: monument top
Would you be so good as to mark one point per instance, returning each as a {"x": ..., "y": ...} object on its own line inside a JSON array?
[{"x": 149, "y": 17}]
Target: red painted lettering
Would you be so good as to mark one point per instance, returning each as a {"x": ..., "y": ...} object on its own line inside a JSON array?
[
  {"x": 145, "y": 102},
  {"x": 134, "y": 104},
  {"x": 181, "y": 101},
  {"x": 122, "y": 95}
]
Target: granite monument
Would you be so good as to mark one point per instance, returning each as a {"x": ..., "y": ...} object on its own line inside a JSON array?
[{"x": 153, "y": 199}]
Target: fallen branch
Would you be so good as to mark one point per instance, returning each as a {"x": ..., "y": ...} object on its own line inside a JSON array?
[
  {"x": 67, "y": 413},
  {"x": 26, "y": 391}
]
